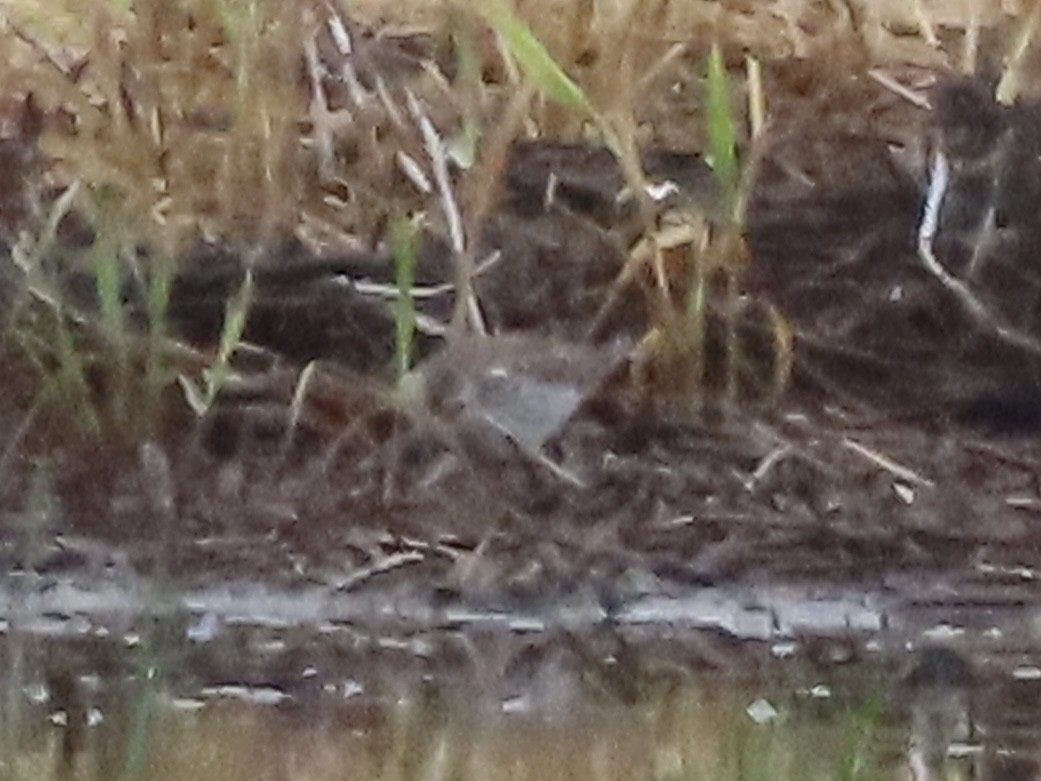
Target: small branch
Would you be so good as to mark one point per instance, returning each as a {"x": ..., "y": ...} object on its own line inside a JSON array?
[
  {"x": 878, "y": 459},
  {"x": 939, "y": 179},
  {"x": 384, "y": 565}
]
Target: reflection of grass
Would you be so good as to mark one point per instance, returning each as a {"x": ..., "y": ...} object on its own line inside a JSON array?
[
  {"x": 693, "y": 733},
  {"x": 859, "y": 761},
  {"x": 145, "y": 695},
  {"x": 31, "y": 536}
]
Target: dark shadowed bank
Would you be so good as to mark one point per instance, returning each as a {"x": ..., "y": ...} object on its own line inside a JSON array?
[{"x": 554, "y": 456}]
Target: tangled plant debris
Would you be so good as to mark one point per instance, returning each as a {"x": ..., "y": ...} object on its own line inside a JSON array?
[{"x": 710, "y": 316}]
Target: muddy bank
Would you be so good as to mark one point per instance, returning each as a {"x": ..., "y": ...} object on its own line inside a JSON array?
[
  {"x": 851, "y": 402},
  {"x": 902, "y": 441}
]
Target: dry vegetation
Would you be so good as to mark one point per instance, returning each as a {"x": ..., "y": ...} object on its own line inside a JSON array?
[{"x": 247, "y": 121}]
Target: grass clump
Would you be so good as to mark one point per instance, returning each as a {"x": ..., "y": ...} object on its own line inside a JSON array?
[
  {"x": 243, "y": 122},
  {"x": 187, "y": 113},
  {"x": 220, "y": 120},
  {"x": 713, "y": 346},
  {"x": 710, "y": 257},
  {"x": 159, "y": 124}
]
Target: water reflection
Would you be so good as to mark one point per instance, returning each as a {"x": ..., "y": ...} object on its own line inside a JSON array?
[
  {"x": 940, "y": 689},
  {"x": 293, "y": 704}
]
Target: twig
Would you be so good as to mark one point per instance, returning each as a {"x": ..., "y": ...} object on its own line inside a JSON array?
[
  {"x": 894, "y": 86},
  {"x": 325, "y": 122},
  {"x": 925, "y": 25},
  {"x": 888, "y": 464},
  {"x": 939, "y": 178},
  {"x": 384, "y": 565},
  {"x": 435, "y": 147}
]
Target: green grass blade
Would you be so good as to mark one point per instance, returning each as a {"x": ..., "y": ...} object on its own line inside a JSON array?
[
  {"x": 403, "y": 248},
  {"x": 215, "y": 377},
  {"x": 108, "y": 284},
  {"x": 72, "y": 386},
  {"x": 160, "y": 286},
  {"x": 231, "y": 337},
  {"x": 235, "y": 320},
  {"x": 195, "y": 398},
  {"x": 721, "y": 129},
  {"x": 531, "y": 55}
]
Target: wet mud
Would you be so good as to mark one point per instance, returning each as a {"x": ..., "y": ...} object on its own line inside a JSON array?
[{"x": 537, "y": 462}]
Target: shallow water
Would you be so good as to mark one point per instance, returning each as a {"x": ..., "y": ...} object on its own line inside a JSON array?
[
  {"x": 674, "y": 725},
  {"x": 182, "y": 696}
]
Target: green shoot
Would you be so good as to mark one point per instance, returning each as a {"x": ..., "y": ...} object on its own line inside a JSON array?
[
  {"x": 720, "y": 127},
  {"x": 532, "y": 56},
  {"x": 108, "y": 283},
  {"x": 72, "y": 386},
  {"x": 859, "y": 761},
  {"x": 403, "y": 241},
  {"x": 547, "y": 75},
  {"x": 217, "y": 375},
  {"x": 160, "y": 284}
]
